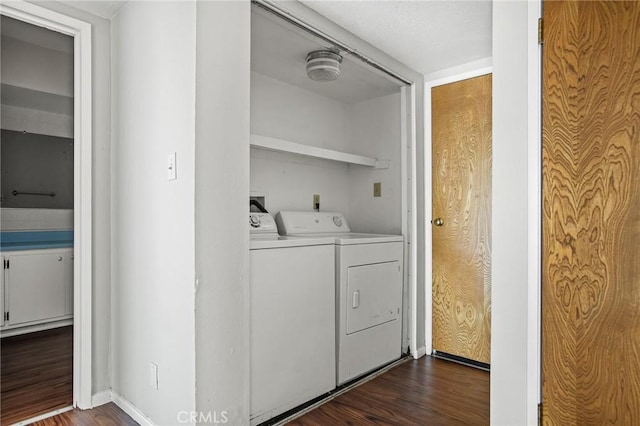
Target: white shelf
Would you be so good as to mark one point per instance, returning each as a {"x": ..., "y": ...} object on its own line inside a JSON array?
[{"x": 272, "y": 144}]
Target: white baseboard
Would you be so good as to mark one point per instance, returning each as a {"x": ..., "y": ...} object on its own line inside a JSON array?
[
  {"x": 422, "y": 351},
  {"x": 131, "y": 410},
  {"x": 101, "y": 398},
  {"x": 43, "y": 416}
]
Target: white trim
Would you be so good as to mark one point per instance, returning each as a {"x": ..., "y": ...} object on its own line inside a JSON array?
[
  {"x": 534, "y": 314},
  {"x": 409, "y": 206},
  {"x": 82, "y": 275},
  {"x": 8, "y": 331},
  {"x": 452, "y": 79},
  {"x": 101, "y": 398},
  {"x": 460, "y": 69},
  {"x": 43, "y": 416},
  {"x": 131, "y": 410},
  {"x": 420, "y": 352},
  {"x": 428, "y": 198},
  {"x": 404, "y": 214}
]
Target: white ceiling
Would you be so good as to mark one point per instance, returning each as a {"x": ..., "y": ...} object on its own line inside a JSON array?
[
  {"x": 425, "y": 35},
  {"x": 104, "y": 9}
]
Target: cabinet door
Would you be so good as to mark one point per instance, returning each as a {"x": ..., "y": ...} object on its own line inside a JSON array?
[{"x": 37, "y": 286}]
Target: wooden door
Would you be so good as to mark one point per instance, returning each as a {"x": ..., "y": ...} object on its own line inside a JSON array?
[
  {"x": 461, "y": 144},
  {"x": 591, "y": 213}
]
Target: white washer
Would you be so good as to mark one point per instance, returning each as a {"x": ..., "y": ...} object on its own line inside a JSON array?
[
  {"x": 368, "y": 290},
  {"x": 292, "y": 321}
]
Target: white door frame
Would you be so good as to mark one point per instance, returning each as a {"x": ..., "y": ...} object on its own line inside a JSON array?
[
  {"x": 428, "y": 198},
  {"x": 81, "y": 33}
]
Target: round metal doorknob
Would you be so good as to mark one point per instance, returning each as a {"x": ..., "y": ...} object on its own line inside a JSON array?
[{"x": 438, "y": 221}]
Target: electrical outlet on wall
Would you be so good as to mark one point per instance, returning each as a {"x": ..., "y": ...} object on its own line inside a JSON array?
[{"x": 377, "y": 189}]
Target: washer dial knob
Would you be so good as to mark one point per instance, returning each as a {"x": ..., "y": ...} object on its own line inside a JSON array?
[{"x": 254, "y": 221}]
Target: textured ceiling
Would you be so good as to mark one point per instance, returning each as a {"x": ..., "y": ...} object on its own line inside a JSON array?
[{"x": 425, "y": 35}]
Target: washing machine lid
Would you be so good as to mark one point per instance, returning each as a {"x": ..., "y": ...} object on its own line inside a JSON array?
[
  {"x": 357, "y": 238},
  {"x": 263, "y": 241}
]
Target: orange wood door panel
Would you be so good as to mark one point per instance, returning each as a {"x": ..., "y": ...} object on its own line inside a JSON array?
[
  {"x": 461, "y": 144},
  {"x": 591, "y": 213}
]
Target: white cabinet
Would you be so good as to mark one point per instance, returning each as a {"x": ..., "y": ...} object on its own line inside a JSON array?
[
  {"x": 4, "y": 265},
  {"x": 37, "y": 286}
]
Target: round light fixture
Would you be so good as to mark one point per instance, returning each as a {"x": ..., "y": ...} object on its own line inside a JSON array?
[{"x": 323, "y": 65}]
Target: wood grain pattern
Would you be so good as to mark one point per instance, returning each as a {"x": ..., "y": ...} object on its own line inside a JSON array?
[
  {"x": 37, "y": 374},
  {"x": 427, "y": 391},
  {"x": 591, "y": 213},
  {"x": 461, "y": 144},
  {"x": 104, "y": 415}
]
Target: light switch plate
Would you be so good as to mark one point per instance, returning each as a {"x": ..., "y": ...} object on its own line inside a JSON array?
[
  {"x": 171, "y": 167},
  {"x": 153, "y": 375}
]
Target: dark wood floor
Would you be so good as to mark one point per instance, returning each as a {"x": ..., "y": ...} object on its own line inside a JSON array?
[
  {"x": 427, "y": 391},
  {"x": 36, "y": 374},
  {"x": 104, "y": 415}
]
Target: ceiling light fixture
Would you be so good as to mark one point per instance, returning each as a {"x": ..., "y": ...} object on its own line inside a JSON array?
[{"x": 323, "y": 65}]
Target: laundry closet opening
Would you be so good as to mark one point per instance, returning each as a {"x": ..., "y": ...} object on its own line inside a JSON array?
[{"x": 329, "y": 191}]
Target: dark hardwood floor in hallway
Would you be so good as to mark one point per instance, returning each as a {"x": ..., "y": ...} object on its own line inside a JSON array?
[
  {"x": 36, "y": 374},
  {"x": 427, "y": 391}
]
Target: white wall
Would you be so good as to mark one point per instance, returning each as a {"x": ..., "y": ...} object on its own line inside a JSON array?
[
  {"x": 153, "y": 243},
  {"x": 37, "y": 68},
  {"x": 371, "y": 128},
  {"x": 101, "y": 197},
  {"x": 516, "y": 103},
  {"x": 375, "y": 131},
  {"x": 283, "y": 111},
  {"x": 37, "y": 87},
  {"x": 289, "y": 181},
  {"x": 222, "y": 189},
  {"x": 280, "y": 110}
]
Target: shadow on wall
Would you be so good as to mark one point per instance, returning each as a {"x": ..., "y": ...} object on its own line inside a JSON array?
[{"x": 36, "y": 163}]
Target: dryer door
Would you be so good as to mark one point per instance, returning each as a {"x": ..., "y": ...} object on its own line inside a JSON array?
[{"x": 374, "y": 295}]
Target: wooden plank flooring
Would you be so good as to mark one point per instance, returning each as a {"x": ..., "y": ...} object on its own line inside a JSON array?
[
  {"x": 37, "y": 374},
  {"x": 427, "y": 391},
  {"x": 104, "y": 415}
]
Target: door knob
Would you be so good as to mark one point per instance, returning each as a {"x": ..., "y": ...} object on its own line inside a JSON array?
[{"x": 438, "y": 221}]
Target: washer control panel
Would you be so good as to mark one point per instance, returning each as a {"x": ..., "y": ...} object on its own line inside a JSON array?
[{"x": 262, "y": 223}]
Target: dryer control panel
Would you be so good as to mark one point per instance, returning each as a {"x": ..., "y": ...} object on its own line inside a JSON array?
[{"x": 295, "y": 223}]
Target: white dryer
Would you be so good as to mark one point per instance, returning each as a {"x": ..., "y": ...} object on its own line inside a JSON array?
[{"x": 369, "y": 277}]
